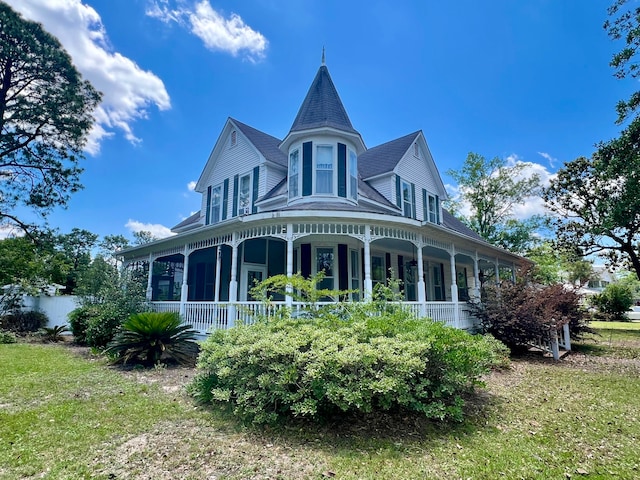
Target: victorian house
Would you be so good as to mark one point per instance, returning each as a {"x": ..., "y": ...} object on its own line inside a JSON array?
[{"x": 317, "y": 200}]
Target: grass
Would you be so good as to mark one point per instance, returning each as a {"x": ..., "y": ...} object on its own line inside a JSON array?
[
  {"x": 63, "y": 416},
  {"x": 613, "y": 339}
]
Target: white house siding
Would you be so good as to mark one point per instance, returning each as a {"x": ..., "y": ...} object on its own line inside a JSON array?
[
  {"x": 386, "y": 187},
  {"x": 415, "y": 170},
  {"x": 233, "y": 160},
  {"x": 272, "y": 176},
  {"x": 55, "y": 308}
]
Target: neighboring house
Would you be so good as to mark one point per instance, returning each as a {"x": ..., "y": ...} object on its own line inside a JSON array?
[{"x": 318, "y": 200}]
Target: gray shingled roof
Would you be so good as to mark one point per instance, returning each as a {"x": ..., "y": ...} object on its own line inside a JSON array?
[
  {"x": 336, "y": 206},
  {"x": 449, "y": 221},
  {"x": 265, "y": 143},
  {"x": 193, "y": 219},
  {"x": 322, "y": 106},
  {"x": 385, "y": 157}
]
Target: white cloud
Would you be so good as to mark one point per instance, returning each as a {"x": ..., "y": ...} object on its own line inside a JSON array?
[
  {"x": 191, "y": 186},
  {"x": 229, "y": 34},
  {"x": 552, "y": 161},
  {"x": 128, "y": 90},
  {"x": 156, "y": 229},
  {"x": 7, "y": 230}
]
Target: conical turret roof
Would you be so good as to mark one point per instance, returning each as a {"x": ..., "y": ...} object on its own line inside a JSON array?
[{"x": 322, "y": 106}]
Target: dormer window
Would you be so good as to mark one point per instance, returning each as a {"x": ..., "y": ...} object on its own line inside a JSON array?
[
  {"x": 244, "y": 195},
  {"x": 431, "y": 207},
  {"x": 234, "y": 138},
  {"x": 324, "y": 170}
]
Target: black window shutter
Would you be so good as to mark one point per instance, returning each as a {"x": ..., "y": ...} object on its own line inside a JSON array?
[
  {"x": 305, "y": 260},
  {"x": 225, "y": 199},
  {"x": 342, "y": 170},
  {"x": 387, "y": 264},
  {"x": 444, "y": 292},
  {"x": 307, "y": 168},
  {"x": 425, "y": 207},
  {"x": 256, "y": 183},
  {"x": 234, "y": 213},
  {"x": 208, "y": 212},
  {"x": 401, "y": 268},
  {"x": 437, "y": 209},
  {"x": 398, "y": 192},
  {"x": 413, "y": 201},
  {"x": 343, "y": 267}
]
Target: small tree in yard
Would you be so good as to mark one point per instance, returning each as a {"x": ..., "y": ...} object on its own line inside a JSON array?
[
  {"x": 614, "y": 302},
  {"x": 518, "y": 314}
]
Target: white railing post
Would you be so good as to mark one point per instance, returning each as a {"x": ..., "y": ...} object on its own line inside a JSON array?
[
  {"x": 149, "y": 293},
  {"x": 422, "y": 293},
  {"x": 567, "y": 337},
  {"x": 555, "y": 350},
  {"x": 368, "y": 284},
  {"x": 184, "y": 290}
]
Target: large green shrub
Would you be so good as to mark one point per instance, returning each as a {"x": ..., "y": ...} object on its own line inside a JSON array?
[
  {"x": 7, "y": 337},
  {"x": 150, "y": 337},
  {"x": 23, "y": 322},
  {"x": 614, "y": 302},
  {"x": 79, "y": 322},
  {"x": 365, "y": 361}
]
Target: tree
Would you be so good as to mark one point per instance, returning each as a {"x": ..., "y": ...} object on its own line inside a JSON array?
[
  {"x": 45, "y": 116},
  {"x": 143, "y": 236},
  {"x": 493, "y": 189},
  {"x": 624, "y": 23},
  {"x": 597, "y": 201},
  {"x": 76, "y": 247}
]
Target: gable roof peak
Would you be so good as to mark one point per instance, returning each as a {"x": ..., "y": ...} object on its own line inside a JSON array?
[{"x": 322, "y": 106}]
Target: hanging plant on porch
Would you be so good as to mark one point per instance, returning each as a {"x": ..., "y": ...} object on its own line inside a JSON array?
[{"x": 151, "y": 337}]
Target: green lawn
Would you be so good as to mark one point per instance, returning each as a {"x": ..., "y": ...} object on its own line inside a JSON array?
[{"x": 65, "y": 416}]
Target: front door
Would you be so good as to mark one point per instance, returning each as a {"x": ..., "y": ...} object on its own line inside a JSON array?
[{"x": 249, "y": 276}]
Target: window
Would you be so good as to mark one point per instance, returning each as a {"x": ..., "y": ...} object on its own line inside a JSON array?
[
  {"x": 324, "y": 169},
  {"x": 353, "y": 175},
  {"x": 244, "y": 195},
  {"x": 216, "y": 204},
  {"x": 294, "y": 174},
  {"x": 407, "y": 200},
  {"x": 434, "y": 208},
  {"x": 234, "y": 138},
  {"x": 324, "y": 263},
  {"x": 378, "y": 274}
]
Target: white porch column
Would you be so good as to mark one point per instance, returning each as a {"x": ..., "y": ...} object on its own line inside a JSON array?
[
  {"x": 368, "y": 284},
  {"x": 216, "y": 294},
  {"x": 149, "y": 293},
  {"x": 454, "y": 287},
  {"x": 233, "y": 284},
  {"x": 184, "y": 291},
  {"x": 513, "y": 273},
  {"x": 497, "y": 270},
  {"x": 422, "y": 293},
  {"x": 476, "y": 277},
  {"x": 289, "y": 297},
  {"x": 567, "y": 337}
]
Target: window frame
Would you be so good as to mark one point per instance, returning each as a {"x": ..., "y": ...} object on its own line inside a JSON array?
[
  {"x": 412, "y": 207},
  {"x": 249, "y": 176},
  {"x": 433, "y": 213},
  {"x": 334, "y": 170},
  {"x": 298, "y": 179},
  {"x": 329, "y": 280},
  {"x": 352, "y": 180},
  {"x": 213, "y": 219}
]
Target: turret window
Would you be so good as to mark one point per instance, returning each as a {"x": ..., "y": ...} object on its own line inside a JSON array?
[
  {"x": 294, "y": 174},
  {"x": 325, "y": 169},
  {"x": 353, "y": 175}
]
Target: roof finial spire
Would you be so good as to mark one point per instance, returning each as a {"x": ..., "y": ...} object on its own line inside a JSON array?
[{"x": 323, "y": 56}]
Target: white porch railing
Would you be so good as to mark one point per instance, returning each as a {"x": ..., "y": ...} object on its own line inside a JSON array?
[{"x": 208, "y": 316}]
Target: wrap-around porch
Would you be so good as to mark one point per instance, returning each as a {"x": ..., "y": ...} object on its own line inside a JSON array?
[{"x": 208, "y": 280}]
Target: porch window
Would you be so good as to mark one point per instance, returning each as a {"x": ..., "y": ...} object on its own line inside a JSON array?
[
  {"x": 378, "y": 274},
  {"x": 216, "y": 204},
  {"x": 463, "y": 286},
  {"x": 294, "y": 174},
  {"x": 325, "y": 263},
  {"x": 408, "y": 200},
  {"x": 244, "y": 195},
  {"x": 324, "y": 169},
  {"x": 438, "y": 283},
  {"x": 353, "y": 175},
  {"x": 434, "y": 208}
]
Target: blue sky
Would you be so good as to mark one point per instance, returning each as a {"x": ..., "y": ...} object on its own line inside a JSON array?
[{"x": 525, "y": 80}]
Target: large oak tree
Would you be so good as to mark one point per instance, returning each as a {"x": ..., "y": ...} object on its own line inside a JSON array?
[
  {"x": 597, "y": 201},
  {"x": 46, "y": 113}
]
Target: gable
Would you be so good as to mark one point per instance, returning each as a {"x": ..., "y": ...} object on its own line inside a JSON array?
[{"x": 417, "y": 166}]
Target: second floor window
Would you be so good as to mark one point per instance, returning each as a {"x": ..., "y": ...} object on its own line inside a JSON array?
[
  {"x": 294, "y": 174},
  {"x": 216, "y": 204},
  {"x": 353, "y": 175},
  {"x": 244, "y": 195},
  {"x": 324, "y": 169},
  {"x": 434, "y": 208},
  {"x": 407, "y": 200}
]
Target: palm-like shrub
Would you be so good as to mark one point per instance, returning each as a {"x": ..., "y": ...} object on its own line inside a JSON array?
[
  {"x": 54, "y": 334},
  {"x": 148, "y": 337}
]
